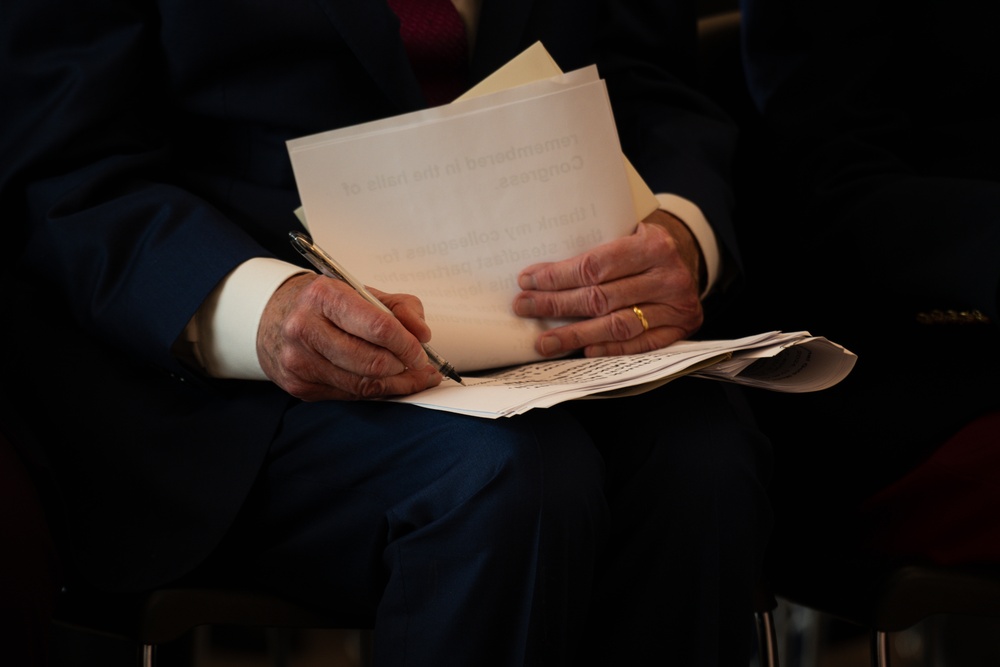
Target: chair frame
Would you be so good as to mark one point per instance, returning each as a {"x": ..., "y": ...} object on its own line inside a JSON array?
[
  {"x": 167, "y": 614},
  {"x": 896, "y": 598}
]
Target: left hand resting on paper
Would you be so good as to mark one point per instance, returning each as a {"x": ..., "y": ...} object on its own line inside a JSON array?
[{"x": 656, "y": 268}]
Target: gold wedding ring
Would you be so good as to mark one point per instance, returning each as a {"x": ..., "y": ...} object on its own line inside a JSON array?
[{"x": 642, "y": 318}]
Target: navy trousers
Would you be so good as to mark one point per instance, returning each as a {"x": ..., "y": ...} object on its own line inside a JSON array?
[{"x": 624, "y": 531}]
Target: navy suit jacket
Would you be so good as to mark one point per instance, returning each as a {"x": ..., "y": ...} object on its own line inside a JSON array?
[
  {"x": 144, "y": 159},
  {"x": 890, "y": 128},
  {"x": 878, "y": 223}
]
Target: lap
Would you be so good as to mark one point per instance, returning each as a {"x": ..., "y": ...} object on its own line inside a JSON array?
[
  {"x": 388, "y": 451},
  {"x": 344, "y": 480},
  {"x": 391, "y": 450},
  {"x": 345, "y": 483}
]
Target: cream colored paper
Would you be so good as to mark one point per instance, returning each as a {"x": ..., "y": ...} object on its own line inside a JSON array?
[
  {"x": 534, "y": 64},
  {"x": 793, "y": 362},
  {"x": 450, "y": 203}
]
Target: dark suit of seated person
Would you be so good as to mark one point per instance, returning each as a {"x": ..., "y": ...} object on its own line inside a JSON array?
[
  {"x": 879, "y": 226},
  {"x": 197, "y": 389}
]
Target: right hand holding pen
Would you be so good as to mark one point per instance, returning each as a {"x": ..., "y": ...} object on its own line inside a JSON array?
[{"x": 320, "y": 340}]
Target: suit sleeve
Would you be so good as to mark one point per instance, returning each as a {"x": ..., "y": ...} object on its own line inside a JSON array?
[
  {"x": 679, "y": 141},
  {"x": 120, "y": 241},
  {"x": 885, "y": 115}
]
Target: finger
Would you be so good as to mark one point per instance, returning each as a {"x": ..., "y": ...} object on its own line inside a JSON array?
[
  {"x": 654, "y": 339},
  {"x": 338, "y": 384},
  {"x": 622, "y": 331},
  {"x": 336, "y": 365},
  {"x": 604, "y": 263},
  {"x": 359, "y": 356},
  {"x": 595, "y": 300},
  {"x": 343, "y": 385},
  {"x": 646, "y": 269},
  {"x": 617, "y": 326},
  {"x": 349, "y": 312},
  {"x": 304, "y": 350},
  {"x": 409, "y": 311}
]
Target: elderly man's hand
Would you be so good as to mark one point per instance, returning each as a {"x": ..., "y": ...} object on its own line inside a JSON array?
[
  {"x": 634, "y": 294},
  {"x": 319, "y": 339}
]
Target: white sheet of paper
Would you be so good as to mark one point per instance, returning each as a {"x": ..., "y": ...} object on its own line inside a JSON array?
[
  {"x": 807, "y": 363},
  {"x": 450, "y": 203},
  {"x": 534, "y": 64}
]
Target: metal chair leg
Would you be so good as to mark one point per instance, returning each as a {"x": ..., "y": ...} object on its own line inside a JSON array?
[
  {"x": 767, "y": 639},
  {"x": 148, "y": 655},
  {"x": 880, "y": 648}
]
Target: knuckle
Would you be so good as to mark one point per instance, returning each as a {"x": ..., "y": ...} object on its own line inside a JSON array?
[
  {"x": 302, "y": 390},
  {"x": 666, "y": 244},
  {"x": 546, "y": 306},
  {"x": 293, "y": 367},
  {"x": 371, "y": 387},
  {"x": 410, "y": 301},
  {"x": 319, "y": 291},
  {"x": 688, "y": 282},
  {"x": 294, "y": 326},
  {"x": 693, "y": 312},
  {"x": 660, "y": 240},
  {"x": 690, "y": 322},
  {"x": 382, "y": 325},
  {"x": 619, "y": 327},
  {"x": 596, "y": 301},
  {"x": 590, "y": 270},
  {"x": 379, "y": 365},
  {"x": 649, "y": 343}
]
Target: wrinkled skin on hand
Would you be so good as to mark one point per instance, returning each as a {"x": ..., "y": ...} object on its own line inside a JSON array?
[
  {"x": 319, "y": 340},
  {"x": 657, "y": 268}
]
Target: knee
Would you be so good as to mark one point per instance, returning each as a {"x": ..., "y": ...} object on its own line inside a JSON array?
[{"x": 513, "y": 476}]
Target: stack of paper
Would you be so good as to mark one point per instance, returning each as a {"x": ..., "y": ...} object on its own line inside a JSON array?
[
  {"x": 789, "y": 362},
  {"x": 451, "y": 203}
]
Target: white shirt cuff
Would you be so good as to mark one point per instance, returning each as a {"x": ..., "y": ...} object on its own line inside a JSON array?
[
  {"x": 691, "y": 215},
  {"x": 224, "y": 330}
]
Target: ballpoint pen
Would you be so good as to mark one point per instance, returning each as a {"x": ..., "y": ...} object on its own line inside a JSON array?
[{"x": 329, "y": 267}]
